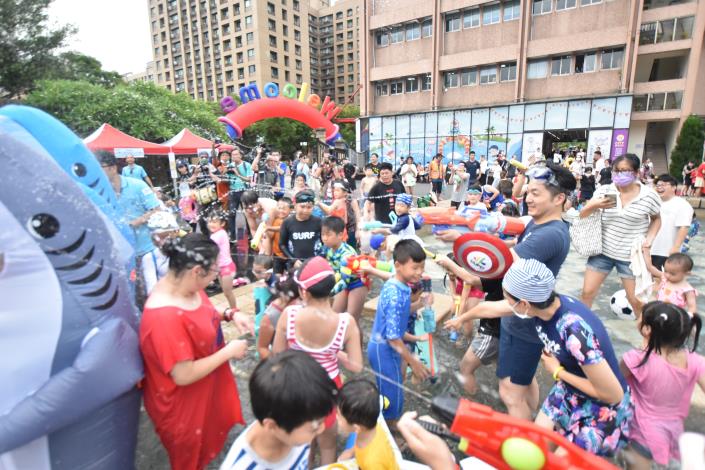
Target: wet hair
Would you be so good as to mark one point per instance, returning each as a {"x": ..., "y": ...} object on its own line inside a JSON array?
[
  {"x": 300, "y": 175},
  {"x": 510, "y": 209},
  {"x": 682, "y": 260},
  {"x": 564, "y": 178},
  {"x": 666, "y": 178},
  {"x": 386, "y": 166},
  {"x": 670, "y": 325},
  {"x": 286, "y": 286},
  {"x": 358, "y": 402},
  {"x": 475, "y": 187},
  {"x": 291, "y": 389},
  {"x": 286, "y": 199},
  {"x": 630, "y": 158},
  {"x": 408, "y": 249},
  {"x": 322, "y": 288},
  {"x": 218, "y": 215},
  {"x": 538, "y": 305},
  {"x": 249, "y": 197},
  {"x": 263, "y": 260},
  {"x": 334, "y": 224},
  {"x": 194, "y": 249}
]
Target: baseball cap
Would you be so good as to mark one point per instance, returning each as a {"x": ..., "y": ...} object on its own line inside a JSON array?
[{"x": 312, "y": 272}]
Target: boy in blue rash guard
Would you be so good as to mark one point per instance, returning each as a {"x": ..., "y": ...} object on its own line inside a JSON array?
[{"x": 386, "y": 350}]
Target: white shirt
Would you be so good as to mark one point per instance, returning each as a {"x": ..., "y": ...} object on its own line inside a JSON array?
[
  {"x": 675, "y": 213},
  {"x": 599, "y": 166},
  {"x": 242, "y": 457}
]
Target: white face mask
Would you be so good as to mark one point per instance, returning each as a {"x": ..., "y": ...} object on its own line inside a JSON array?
[{"x": 523, "y": 316}]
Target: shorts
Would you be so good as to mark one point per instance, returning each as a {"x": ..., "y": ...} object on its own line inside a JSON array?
[
  {"x": 658, "y": 261},
  {"x": 605, "y": 264},
  {"x": 485, "y": 347},
  {"x": 517, "y": 359},
  {"x": 437, "y": 185},
  {"x": 228, "y": 270},
  {"x": 699, "y": 182},
  {"x": 354, "y": 285},
  {"x": 333, "y": 415},
  {"x": 386, "y": 363}
]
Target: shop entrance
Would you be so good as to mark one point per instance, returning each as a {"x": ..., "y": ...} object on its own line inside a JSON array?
[{"x": 565, "y": 140}]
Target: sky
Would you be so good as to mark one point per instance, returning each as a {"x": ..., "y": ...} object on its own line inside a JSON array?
[{"x": 116, "y": 32}]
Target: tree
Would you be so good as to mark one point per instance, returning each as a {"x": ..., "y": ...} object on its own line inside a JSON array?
[
  {"x": 283, "y": 134},
  {"x": 77, "y": 66},
  {"x": 142, "y": 110},
  {"x": 27, "y": 45},
  {"x": 689, "y": 146},
  {"x": 347, "y": 131}
]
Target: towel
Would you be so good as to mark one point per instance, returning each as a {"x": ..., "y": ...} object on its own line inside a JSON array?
[{"x": 644, "y": 282}]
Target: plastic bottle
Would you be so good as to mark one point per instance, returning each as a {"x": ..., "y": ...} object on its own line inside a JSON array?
[{"x": 428, "y": 315}]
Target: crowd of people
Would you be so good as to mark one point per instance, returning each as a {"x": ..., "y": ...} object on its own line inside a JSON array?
[{"x": 301, "y": 241}]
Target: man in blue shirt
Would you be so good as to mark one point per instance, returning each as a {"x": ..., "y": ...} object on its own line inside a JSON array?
[
  {"x": 545, "y": 239},
  {"x": 240, "y": 173},
  {"x": 472, "y": 166},
  {"x": 133, "y": 170},
  {"x": 137, "y": 203}
]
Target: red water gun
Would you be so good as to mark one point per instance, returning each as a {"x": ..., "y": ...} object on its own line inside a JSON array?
[
  {"x": 508, "y": 443},
  {"x": 474, "y": 220},
  {"x": 352, "y": 267}
]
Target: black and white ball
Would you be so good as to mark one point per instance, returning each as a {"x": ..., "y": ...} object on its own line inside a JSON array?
[{"x": 621, "y": 307}]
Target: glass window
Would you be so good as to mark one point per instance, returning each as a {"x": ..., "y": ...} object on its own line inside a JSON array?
[
  {"x": 657, "y": 101},
  {"x": 397, "y": 35},
  {"x": 490, "y": 14},
  {"x": 250, "y": 52},
  {"x": 426, "y": 28},
  {"x": 537, "y": 68},
  {"x": 250, "y": 38},
  {"x": 248, "y": 21},
  {"x": 560, "y": 65},
  {"x": 565, "y": 4},
  {"x": 684, "y": 28},
  {"x": 511, "y": 10},
  {"x": 471, "y": 18},
  {"x": 251, "y": 69},
  {"x": 413, "y": 31},
  {"x": 396, "y": 87},
  {"x": 673, "y": 99},
  {"x": 412, "y": 84},
  {"x": 452, "y": 22},
  {"x": 381, "y": 89},
  {"x": 612, "y": 59},
  {"x": 589, "y": 2},
  {"x": 488, "y": 75},
  {"x": 647, "y": 34},
  {"x": 450, "y": 79},
  {"x": 426, "y": 82},
  {"x": 508, "y": 72},
  {"x": 541, "y": 7},
  {"x": 382, "y": 38},
  {"x": 664, "y": 30},
  {"x": 586, "y": 62},
  {"x": 468, "y": 77}
]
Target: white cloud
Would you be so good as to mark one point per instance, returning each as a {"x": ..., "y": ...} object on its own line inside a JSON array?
[{"x": 116, "y": 32}]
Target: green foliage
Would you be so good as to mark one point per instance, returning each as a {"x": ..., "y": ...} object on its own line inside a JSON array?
[
  {"x": 689, "y": 146},
  {"x": 282, "y": 134},
  {"x": 27, "y": 45},
  {"x": 142, "y": 110},
  {"x": 347, "y": 131},
  {"x": 77, "y": 66}
]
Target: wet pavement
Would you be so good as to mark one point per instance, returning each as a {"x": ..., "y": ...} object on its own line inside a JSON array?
[{"x": 624, "y": 335}]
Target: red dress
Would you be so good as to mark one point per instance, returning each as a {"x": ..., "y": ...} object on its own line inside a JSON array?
[{"x": 192, "y": 421}]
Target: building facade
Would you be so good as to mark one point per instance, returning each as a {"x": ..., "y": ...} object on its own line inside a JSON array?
[
  {"x": 148, "y": 76},
  {"x": 452, "y": 76},
  {"x": 209, "y": 49}
]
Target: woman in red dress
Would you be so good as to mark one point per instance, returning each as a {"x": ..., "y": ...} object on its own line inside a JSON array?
[{"x": 189, "y": 389}]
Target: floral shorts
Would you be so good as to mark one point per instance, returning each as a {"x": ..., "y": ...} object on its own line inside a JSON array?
[{"x": 595, "y": 426}]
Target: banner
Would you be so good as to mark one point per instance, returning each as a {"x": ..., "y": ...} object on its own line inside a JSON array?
[
  {"x": 128, "y": 152},
  {"x": 601, "y": 140},
  {"x": 620, "y": 139}
]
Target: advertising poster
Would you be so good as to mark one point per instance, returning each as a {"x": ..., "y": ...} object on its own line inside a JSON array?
[
  {"x": 602, "y": 140},
  {"x": 532, "y": 142},
  {"x": 620, "y": 139}
]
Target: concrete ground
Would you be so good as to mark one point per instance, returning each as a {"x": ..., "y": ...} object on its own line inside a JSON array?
[{"x": 624, "y": 335}]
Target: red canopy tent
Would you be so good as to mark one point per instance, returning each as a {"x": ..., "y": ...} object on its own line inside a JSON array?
[
  {"x": 188, "y": 143},
  {"x": 106, "y": 137}
]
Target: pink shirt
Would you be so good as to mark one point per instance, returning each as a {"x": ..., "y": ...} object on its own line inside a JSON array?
[
  {"x": 220, "y": 237},
  {"x": 661, "y": 394}
]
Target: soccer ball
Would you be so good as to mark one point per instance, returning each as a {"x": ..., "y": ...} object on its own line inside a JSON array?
[{"x": 620, "y": 306}]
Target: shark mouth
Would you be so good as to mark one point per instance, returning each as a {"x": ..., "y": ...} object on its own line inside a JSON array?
[{"x": 90, "y": 277}]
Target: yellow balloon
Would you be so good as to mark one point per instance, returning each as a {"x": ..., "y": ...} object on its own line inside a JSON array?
[{"x": 522, "y": 454}]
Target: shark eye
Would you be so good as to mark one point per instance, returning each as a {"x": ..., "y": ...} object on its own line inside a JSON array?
[
  {"x": 43, "y": 226},
  {"x": 79, "y": 169}
]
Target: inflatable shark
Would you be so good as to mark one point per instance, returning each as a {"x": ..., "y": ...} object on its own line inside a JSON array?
[{"x": 68, "y": 329}]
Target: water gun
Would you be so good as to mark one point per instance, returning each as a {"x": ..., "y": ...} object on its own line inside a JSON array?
[
  {"x": 352, "y": 267},
  {"x": 475, "y": 220},
  {"x": 519, "y": 165},
  {"x": 505, "y": 442},
  {"x": 375, "y": 225},
  {"x": 257, "y": 237}
]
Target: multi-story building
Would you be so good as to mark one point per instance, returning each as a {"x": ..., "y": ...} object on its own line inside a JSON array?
[
  {"x": 211, "y": 48},
  {"x": 452, "y": 76},
  {"x": 148, "y": 76}
]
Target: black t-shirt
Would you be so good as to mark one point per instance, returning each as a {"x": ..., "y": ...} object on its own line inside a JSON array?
[
  {"x": 375, "y": 168},
  {"x": 587, "y": 184},
  {"x": 384, "y": 196},
  {"x": 473, "y": 169},
  {"x": 300, "y": 239},
  {"x": 606, "y": 175}
]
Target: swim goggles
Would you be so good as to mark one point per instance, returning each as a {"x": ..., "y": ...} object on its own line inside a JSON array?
[{"x": 544, "y": 174}]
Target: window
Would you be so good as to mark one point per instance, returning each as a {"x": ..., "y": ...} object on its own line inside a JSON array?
[
  {"x": 471, "y": 18},
  {"x": 488, "y": 75},
  {"x": 508, "y": 72},
  {"x": 251, "y": 69},
  {"x": 612, "y": 59},
  {"x": 565, "y": 4},
  {"x": 684, "y": 28},
  {"x": 275, "y": 72},
  {"x": 285, "y": 30},
  {"x": 297, "y": 35},
  {"x": 349, "y": 24},
  {"x": 468, "y": 77},
  {"x": 272, "y": 25},
  {"x": 541, "y": 7},
  {"x": 450, "y": 80},
  {"x": 272, "y": 41},
  {"x": 248, "y": 21},
  {"x": 297, "y": 20},
  {"x": 413, "y": 31},
  {"x": 270, "y": 8},
  {"x": 349, "y": 34},
  {"x": 426, "y": 82},
  {"x": 396, "y": 87},
  {"x": 297, "y": 50},
  {"x": 412, "y": 85},
  {"x": 250, "y": 53},
  {"x": 273, "y": 56},
  {"x": 452, "y": 22},
  {"x": 381, "y": 89},
  {"x": 584, "y": 3},
  {"x": 560, "y": 65},
  {"x": 490, "y": 14},
  {"x": 238, "y": 41},
  {"x": 426, "y": 28},
  {"x": 511, "y": 10},
  {"x": 585, "y": 62},
  {"x": 397, "y": 35},
  {"x": 250, "y": 38}
]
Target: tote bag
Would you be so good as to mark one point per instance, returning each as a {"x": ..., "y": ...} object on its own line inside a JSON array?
[{"x": 586, "y": 234}]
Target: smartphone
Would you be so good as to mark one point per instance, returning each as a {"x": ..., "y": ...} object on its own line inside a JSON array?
[{"x": 612, "y": 197}]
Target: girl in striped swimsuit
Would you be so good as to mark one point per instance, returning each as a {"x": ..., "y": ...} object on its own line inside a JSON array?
[{"x": 325, "y": 335}]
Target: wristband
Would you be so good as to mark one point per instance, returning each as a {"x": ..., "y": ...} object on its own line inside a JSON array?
[
  {"x": 555, "y": 374},
  {"x": 228, "y": 314}
]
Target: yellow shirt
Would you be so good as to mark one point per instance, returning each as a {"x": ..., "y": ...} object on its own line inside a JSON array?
[
  {"x": 378, "y": 454},
  {"x": 435, "y": 170}
]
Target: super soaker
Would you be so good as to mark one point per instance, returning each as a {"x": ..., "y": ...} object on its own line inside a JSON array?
[
  {"x": 470, "y": 219},
  {"x": 353, "y": 265}
]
